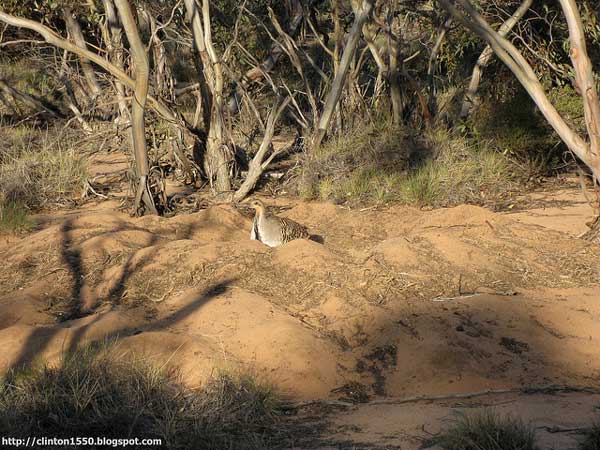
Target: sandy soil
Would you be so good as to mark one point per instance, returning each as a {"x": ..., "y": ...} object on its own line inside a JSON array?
[
  {"x": 396, "y": 302},
  {"x": 557, "y": 420}
]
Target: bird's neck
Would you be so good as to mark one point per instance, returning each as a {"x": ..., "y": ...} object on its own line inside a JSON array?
[{"x": 260, "y": 213}]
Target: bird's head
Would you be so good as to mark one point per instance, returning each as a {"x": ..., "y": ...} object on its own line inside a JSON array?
[{"x": 258, "y": 205}]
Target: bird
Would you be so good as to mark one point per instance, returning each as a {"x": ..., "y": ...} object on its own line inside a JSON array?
[{"x": 272, "y": 230}]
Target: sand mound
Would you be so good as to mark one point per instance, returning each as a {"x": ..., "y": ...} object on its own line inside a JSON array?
[
  {"x": 463, "y": 215},
  {"x": 304, "y": 255},
  {"x": 195, "y": 357},
  {"x": 112, "y": 243},
  {"x": 259, "y": 334},
  {"x": 216, "y": 224},
  {"x": 396, "y": 300},
  {"x": 398, "y": 252}
]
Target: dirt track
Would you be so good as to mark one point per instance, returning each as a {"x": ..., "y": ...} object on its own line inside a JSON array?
[{"x": 397, "y": 302}]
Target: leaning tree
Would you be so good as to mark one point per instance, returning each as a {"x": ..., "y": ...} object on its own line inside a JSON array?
[{"x": 587, "y": 148}]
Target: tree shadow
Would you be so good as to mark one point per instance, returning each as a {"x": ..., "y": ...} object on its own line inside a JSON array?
[
  {"x": 41, "y": 337},
  {"x": 72, "y": 258},
  {"x": 83, "y": 303}
]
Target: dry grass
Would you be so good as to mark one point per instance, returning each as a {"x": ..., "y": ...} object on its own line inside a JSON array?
[
  {"x": 36, "y": 171},
  {"x": 380, "y": 164},
  {"x": 29, "y": 76},
  {"x": 358, "y": 166},
  {"x": 487, "y": 431},
  {"x": 38, "y": 178},
  {"x": 99, "y": 392},
  {"x": 458, "y": 171},
  {"x": 510, "y": 124}
]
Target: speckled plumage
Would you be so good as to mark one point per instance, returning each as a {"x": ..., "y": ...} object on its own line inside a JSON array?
[{"x": 272, "y": 230}]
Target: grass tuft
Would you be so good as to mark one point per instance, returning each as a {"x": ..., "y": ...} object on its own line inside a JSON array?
[
  {"x": 99, "y": 392},
  {"x": 380, "y": 164},
  {"x": 487, "y": 431},
  {"x": 458, "y": 171},
  {"x": 511, "y": 124},
  {"x": 358, "y": 166},
  {"x": 38, "y": 174},
  {"x": 14, "y": 218}
]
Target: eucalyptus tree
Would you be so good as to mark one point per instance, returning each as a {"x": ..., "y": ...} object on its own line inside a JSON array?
[{"x": 586, "y": 148}]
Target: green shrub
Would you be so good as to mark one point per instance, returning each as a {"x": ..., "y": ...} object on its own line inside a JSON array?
[
  {"x": 98, "y": 392},
  {"x": 487, "y": 431},
  {"x": 385, "y": 164},
  {"x": 510, "y": 123},
  {"x": 14, "y": 218}
]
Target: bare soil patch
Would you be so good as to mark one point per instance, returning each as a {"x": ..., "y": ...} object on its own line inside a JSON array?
[{"x": 396, "y": 302}]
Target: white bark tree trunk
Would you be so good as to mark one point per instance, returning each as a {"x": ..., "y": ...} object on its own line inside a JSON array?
[
  {"x": 361, "y": 16},
  {"x": 584, "y": 77},
  {"x": 74, "y": 30},
  {"x": 471, "y": 98},
  {"x": 515, "y": 61},
  {"x": 114, "y": 45},
  {"x": 138, "y": 106},
  {"x": 218, "y": 153}
]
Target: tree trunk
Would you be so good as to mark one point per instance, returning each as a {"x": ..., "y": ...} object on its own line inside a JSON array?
[
  {"x": 114, "y": 44},
  {"x": 337, "y": 45},
  {"x": 360, "y": 18},
  {"x": 515, "y": 61},
  {"x": 74, "y": 30},
  {"x": 395, "y": 88},
  {"x": 437, "y": 46},
  {"x": 471, "y": 98},
  {"x": 219, "y": 157},
  {"x": 138, "y": 105},
  {"x": 584, "y": 77},
  {"x": 201, "y": 61},
  {"x": 258, "y": 163}
]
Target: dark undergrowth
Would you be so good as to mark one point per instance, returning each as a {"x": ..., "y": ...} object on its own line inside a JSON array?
[
  {"x": 98, "y": 392},
  {"x": 591, "y": 438}
]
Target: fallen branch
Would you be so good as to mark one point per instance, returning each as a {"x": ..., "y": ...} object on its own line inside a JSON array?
[{"x": 25, "y": 98}]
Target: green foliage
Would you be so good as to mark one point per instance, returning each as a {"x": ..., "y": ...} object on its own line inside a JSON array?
[
  {"x": 379, "y": 164},
  {"x": 99, "y": 392},
  {"x": 487, "y": 431},
  {"x": 14, "y": 218},
  {"x": 510, "y": 123}
]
